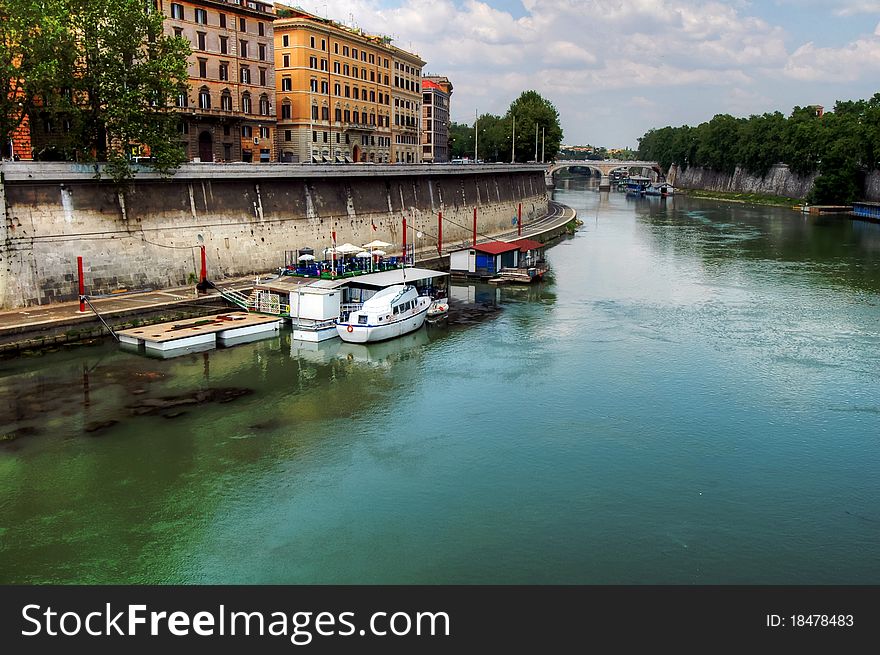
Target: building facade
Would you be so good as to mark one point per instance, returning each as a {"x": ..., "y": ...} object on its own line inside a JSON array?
[
  {"x": 229, "y": 112},
  {"x": 407, "y": 93},
  {"x": 336, "y": 91},
  {"x": 436, "y": 94}
]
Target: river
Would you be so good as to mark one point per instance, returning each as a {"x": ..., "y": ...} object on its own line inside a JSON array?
[{"x": 692, "y": 399}]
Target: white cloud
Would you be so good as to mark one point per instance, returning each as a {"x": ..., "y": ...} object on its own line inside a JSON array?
[{"x": 620, "y": 55}]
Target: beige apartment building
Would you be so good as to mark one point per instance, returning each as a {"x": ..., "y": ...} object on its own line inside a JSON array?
[
  {"x": 336, "y": 91},
  {"x": 229, "y": 112},
  {"x": 407, "y": 94}
]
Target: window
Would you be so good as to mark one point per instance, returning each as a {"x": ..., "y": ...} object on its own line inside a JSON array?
[
  {"x": 227, "y": 151},
  {"x": 354, "y": 73},
  {"x": 285, "y": 112},
  {"x": 337, "y": 115},
  {"x": 264, "y": 132},
  {"x": 286, "y": 84},
  {"x": 203, "y": 68},
  {"x": 243, "y": 48},
  {"x": 176, "y": 11},
  {"x": 323, "y": 44},
  {"x": 372, "y": 76},
  {"x": 313, "y": 85},
  {"x": 224, "y": 72},
  {"x": 336, "y": 67},
  {"x": 356, "y": 93},
  {"x": 261, "y": 29},
  {"x": 288, "y": 135},
  {"x": 325, "y": 113},
  {"x": 335, "y": 48},
  {"x": 178, "y": 31},
  {"x": 345, "y": 70},
  {"x": 313, "y": 62},
  {"x": 246, "y": 103},
  {"x": 201, "y": 16},
  {"x": 363, "y": 73},
  {"x": 354, "y": 53},
  {"x": 262, "y": 50},
  {"x": 285, "y": 41},
  {"x": 372, "y": 96},
  {"x": 226, "y": 101},
  {"x": 204, "y": 98},
  {"x": 311, "y": 42},
  {"x": 314, "y": 112},
  {"x": 242, "y": 25},
  {"x": 224, "y": 45},
  {"x": 386, "y": 80},
  {"x": 182, "y": 100},
  {"x": 336, "y": 89},
  {"x": 262, "y": 77},
  {"x": 372, "y": 59},
  {"x": 222, "y": 20},
  {"x": 314, "y": 136},
  {"x": 347, "y": 91},
  {"x": 264, "y": 105},
  {"x": 325, "y": 87},
  {"x": 363, "y": 55},
  {"x": 247, "y": 131},
  {"x": 345, "y": 51},
  {"x": 347, "y": 117},
  {"x": 245, "y": 75},
  {"x": 202, "y": 40},
  {"x": 324, "y": 65},
  {"x": 325, "y": 137},
  {"x": 285, "y": 61}
]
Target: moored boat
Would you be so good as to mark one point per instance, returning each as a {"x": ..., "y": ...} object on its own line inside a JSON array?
[
  {"x": 391, "y": 312},
  {"x": 636, "y": 184},
  {"x": 662, "y": 189}
]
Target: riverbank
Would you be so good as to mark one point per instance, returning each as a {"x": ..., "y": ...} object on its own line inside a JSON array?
[
  {"x": 30, "y": 330},
  {"x": 742, "y": 198}
]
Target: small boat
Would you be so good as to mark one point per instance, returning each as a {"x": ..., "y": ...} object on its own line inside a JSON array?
[
  {"x": 439, "y": 309},
  {"x": 663, "y": 189},
  {"x": 636, "y": 185},
  {"x": 391, "y": 312}
]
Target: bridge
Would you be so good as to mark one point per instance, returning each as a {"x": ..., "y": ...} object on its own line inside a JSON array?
[{"x": 604, "y": 167}]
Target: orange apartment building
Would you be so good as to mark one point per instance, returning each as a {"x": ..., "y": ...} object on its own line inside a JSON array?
[
  {"x": 229, "y": 112},
  {"x": 339, "y": 93}
]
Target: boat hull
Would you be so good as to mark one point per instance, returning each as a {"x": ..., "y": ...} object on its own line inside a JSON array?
[{"x": 371, "y": 333}]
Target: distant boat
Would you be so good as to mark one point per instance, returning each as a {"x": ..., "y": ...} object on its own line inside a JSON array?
[
  {"x": 636, "y": 184},
  {"x": 439, "y": 309},
  {"x": 391, "y": 312},
  {"x": 663, "y": 189}
]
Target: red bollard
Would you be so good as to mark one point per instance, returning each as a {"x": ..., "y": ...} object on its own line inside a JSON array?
[
  {"x": 440, "y": 234},
  {"x": 82, "y": 285},
  {"x": 204, "y": 274},
  {"x": 475, "y": 227}
]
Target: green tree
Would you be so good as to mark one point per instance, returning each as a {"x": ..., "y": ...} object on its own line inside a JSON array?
[
  {"x": 36, "y": 51},
  {"x": 533, "y": 111},
  {"x": 128, "y": 75},
  {"x": 461, "y": 140}
]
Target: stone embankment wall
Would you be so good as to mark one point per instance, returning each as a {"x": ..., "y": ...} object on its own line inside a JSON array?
[
  {"x": 779, "y": 181},
  {"x": 246, "y": 216}
]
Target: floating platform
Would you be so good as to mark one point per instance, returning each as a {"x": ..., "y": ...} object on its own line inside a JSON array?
[{"x": 228, "y": 328}]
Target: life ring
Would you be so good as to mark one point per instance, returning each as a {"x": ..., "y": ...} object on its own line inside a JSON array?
[{"x": 350, "y": 328}]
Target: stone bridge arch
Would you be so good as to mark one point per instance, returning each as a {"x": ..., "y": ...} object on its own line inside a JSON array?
[{"x": 605, "y": 167}]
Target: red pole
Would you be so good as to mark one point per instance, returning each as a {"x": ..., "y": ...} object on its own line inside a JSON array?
[
  {"x": 475, "y": 227},
  {"x": 333, "y": 256},
  {"x": 519, "y": 219},
  {"x": 204, "y": 274},
  {"x": 404, "y": 240},
  {"x": 440, "y": 234},
  {"x": 82, "y": 284}
]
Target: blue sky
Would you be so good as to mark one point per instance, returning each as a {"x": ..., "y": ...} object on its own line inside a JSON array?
[{"x": 616, "y": 68}]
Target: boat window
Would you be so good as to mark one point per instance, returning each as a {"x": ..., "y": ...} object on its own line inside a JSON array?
[
  {"x": 397, "y": 309},
  {"x": 362, "y": 320}
]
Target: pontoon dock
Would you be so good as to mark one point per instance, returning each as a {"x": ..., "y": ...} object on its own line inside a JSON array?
[{"x": 199, "y": 332}]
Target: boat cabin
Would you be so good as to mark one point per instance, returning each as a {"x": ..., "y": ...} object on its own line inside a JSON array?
[{"x": 484, "y": 259}]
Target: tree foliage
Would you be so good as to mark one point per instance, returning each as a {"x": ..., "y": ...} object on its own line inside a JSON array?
[
  {"x": 840, "y": 145},
  {"x": 102, "y": 73},
  {"x": 494, "y": 134}
]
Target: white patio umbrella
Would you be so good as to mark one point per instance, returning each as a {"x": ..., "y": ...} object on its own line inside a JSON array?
[
  {"x": 306, "y": 257},
  {"x": 348, "y": 249},
  {"x": 363, "y": 253},
  {"x": 381, "y": 253},
  {"x": 377, "y": 244}
]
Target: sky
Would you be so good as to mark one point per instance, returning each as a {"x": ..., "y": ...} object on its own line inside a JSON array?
[{"x": 616, "y": 68}]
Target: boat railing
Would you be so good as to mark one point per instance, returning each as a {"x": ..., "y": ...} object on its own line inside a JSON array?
[{"x": 346, "y": 308}]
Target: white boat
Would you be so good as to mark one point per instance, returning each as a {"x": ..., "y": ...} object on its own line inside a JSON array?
[
  {"x": 391, "y": 312},
  {"x": 438, "y": 309},
  {"x": 663, "y": 189}
]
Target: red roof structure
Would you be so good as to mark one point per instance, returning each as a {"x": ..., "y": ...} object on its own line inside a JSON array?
[
  {"x": 495, "y": 247},
  {"x": 525, "y": 245},
  {"x": 428, "y": 84}
]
